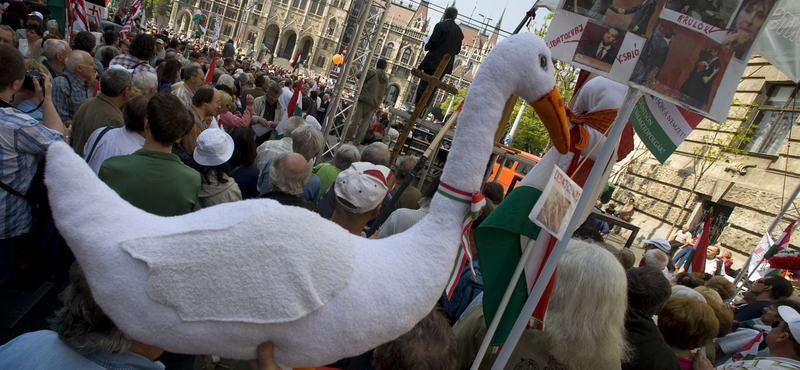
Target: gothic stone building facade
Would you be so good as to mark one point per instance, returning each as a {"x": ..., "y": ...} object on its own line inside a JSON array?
[
  {"x": 745, "y": 192},
  {"x": 280, "y": 27},
  {"x": 284, "y": 27}
]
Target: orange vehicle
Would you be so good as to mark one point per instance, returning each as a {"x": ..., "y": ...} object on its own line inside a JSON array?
[{"x": 510, "y": 166}]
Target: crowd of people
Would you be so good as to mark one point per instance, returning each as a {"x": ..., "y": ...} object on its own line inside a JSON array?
[{"x": 147, "y": 121}]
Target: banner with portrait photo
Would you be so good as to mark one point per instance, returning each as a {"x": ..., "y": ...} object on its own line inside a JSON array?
[
  {"x": 594, "y": 46},
  {"x": 696, "y": 55},
  {"x": 688, "y": 52}
]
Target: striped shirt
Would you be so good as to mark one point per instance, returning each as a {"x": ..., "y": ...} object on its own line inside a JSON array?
[
  {"x": 133, "y": 63},
  {"x": 23, "y": 142},
  {"x": 68, "y": 92}
]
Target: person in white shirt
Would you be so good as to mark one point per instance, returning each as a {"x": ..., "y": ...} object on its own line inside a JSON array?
[
  {"x": 713, "y": 264},
  {"x": 107, "y": 142}
]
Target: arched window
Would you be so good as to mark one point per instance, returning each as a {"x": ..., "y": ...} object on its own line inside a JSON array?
[
  {"x": 387, "y": 52},
  {"x": 321, "y": 7},
  {"x": 303, "y": 4},
  {"x": 378, "y": 47},
  {"x": 331, "y": 27},
  {"x": 417, "y": 23},
  {"x": 457, "y": 63},
  {"x": 406, "y": 56},
  {"x": 320, "y": 62},
  {"x": 313, "y": 8}
]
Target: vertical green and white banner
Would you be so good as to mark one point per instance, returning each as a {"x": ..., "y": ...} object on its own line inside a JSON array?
[{"x": 661, "y": 125}]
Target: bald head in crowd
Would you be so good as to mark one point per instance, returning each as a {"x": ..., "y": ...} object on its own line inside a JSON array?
[{"x": 289, "y": 174}]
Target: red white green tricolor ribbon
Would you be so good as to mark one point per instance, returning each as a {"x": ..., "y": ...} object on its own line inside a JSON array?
[{"x": 476, "y": 202}]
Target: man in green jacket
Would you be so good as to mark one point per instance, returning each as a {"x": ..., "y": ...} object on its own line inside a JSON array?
[
  {"x": 375, "y": 83},
  {"x": 152, "y": 178}
]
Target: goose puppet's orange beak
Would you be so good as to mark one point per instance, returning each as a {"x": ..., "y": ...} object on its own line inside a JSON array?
[{"x": 550, "y": 109}]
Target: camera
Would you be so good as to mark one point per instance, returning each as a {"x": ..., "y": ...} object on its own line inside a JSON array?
[{"x": 27, "y": 84}]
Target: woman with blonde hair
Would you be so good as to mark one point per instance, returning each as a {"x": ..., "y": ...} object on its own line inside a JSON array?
[
  {"x": 229, "y": 120},
  {"x": 687, "y": 323}
]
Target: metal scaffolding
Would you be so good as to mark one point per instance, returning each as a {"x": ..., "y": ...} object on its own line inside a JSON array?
[{"x": 364, "y": 22}]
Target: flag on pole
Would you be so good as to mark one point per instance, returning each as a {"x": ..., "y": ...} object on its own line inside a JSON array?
[
  {"x": 97, "y": 19},
  {"x": 77, "y": 9},
  {"x": 296, "y": 62},
  {"x": 125, "y": 32},
  {"x": 127, "y": 26},
  {"x": 697, "y": 255},
  {"x": 201, "y": 29},
  {"x": 295, "y": 106},
  {"x": 216, "y": 29},
  {"x": 210, "y": 72},
  {"x": 109, "y": 4},
  {"x": 238, "y": 41},
  {"x": 316, "y": 84},
  {"x": 758, "y": 254},
  {"x": 748, "y": 352}
]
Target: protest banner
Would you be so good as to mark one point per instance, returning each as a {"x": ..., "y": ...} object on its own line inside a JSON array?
[
  {"x": 661, "y": 125},
  {"x": 682, "y": 54},
  {"x": 778, "y": 43}
]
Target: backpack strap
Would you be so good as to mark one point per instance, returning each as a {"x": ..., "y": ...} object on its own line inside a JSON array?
[
  {"x": 100, "y": 136},
  {"x": 11, "y": 190}
]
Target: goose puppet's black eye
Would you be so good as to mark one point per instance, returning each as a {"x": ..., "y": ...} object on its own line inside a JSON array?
[{"x": 543, "y": 62}]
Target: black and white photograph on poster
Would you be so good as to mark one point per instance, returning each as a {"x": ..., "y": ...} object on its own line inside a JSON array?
[
  {"x": 749, "y": 19},
  {"x": 598, "y": 46},
  {"x": 683, "y": 65},
  {"x": 557, "y": 204},
  {"x": 637, "y": 16},
  {"x": 716, "y": 13}
]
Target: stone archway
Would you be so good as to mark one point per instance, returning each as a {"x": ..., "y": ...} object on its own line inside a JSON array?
[
  {"x": 185, "y": 18},
  {"x": 307, "y": 44},
  {"x": 392, "y": 92},
  {"x": 270, "y": 40},
  {"x": 290, "y": 40}
]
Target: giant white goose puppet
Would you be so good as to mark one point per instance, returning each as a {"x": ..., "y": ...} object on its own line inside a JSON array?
[
  {"x": 502, "y": 235},
  {"x": 226, "y": 278}
]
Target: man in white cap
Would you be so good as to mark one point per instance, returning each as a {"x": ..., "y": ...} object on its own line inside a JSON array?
[
  {"x": 783, "y": 342},
  {"x": 656, "y": 243},
  {"x": 360, "y": 190}
]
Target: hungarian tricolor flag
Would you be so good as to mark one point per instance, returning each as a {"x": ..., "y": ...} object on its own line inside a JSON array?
[
  {"x": 775, "y": 268},
  {"x": 748, "y": 352},
  {"x": 238, "y": 41},
  {"x": 697, "y": 255},
  {"x": 109, "y": 4},
  {"x": 296, "y": 62},
  {"x": 210, "y": 72},
  {"x": 295, "y": 107},
  {"x": 201, "y": 29}
]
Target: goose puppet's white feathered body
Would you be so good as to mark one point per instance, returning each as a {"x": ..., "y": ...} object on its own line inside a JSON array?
[{"x": 226, "y": 278}]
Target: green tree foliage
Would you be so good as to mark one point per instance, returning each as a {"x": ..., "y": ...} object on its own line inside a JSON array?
[{"x": 158, "y": 7}]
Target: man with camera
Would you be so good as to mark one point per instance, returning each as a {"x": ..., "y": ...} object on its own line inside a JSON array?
[{"x": 23, "y": 142}]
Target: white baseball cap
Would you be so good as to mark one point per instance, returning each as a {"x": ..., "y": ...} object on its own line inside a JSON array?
[
  {"x": 661, "y": 244},
  {"x": 364, "y": 185},
  {"x": 214, "y": 147},
  {"x": 792, "y": 318}
]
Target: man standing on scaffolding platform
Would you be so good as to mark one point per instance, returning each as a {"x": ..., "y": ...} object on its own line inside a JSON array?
[
  {"x": 369, "y": 100},
  {"x": 445, "y": 39}
]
